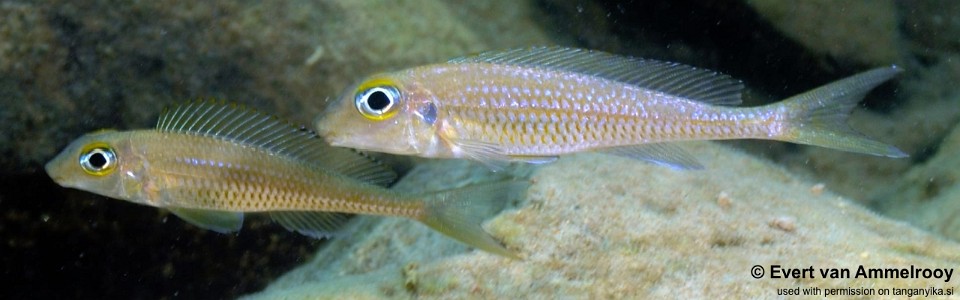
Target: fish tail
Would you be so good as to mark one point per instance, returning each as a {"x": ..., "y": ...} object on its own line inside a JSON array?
[
  {"x": 459, "y": 213},
  {"x": 818, "y": 117}
]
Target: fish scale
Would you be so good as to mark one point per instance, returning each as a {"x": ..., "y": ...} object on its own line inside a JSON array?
[
  {"x": 535, "y": 104},
  {"x": 568, "y": 103},
  {"x": 526, "y": 123},
  {"x": 230, "y": 176},
  {"x": 237, "y": 175}
]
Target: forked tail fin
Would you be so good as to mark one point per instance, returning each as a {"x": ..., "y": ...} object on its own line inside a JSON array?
[
  {"x": 818, "y": 117},
  {"x": 459, "y": 213}
]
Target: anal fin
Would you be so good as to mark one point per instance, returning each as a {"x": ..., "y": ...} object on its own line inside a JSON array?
[
  {"x": 310, "y": 223},
  {"x": 668, "y": 155},
  {"x": 535, "y": 159}
]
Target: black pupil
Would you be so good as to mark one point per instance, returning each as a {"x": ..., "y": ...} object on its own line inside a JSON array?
[
  {"x": 97, "y": 160},
  {"x": 378, "y": 100}
]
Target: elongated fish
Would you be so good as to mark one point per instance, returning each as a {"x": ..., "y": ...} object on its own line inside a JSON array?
[
  {"x": 209, "y": 163},
  {"x": 536, "y": 104}
]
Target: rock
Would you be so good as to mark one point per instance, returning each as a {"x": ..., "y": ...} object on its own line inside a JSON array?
[
  {"x": 927, "y": 194},
  {"x": 864, "y": 31},
  {"x": 597, "y": 226}
]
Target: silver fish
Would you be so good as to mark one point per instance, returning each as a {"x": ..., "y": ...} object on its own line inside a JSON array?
[{"x": 535, "y": 104}]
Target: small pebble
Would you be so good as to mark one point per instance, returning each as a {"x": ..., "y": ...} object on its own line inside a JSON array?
[
  {"x": 817, "y": 189},
  {"x": 788, "y": 224},
  {"x": 723, "y": 200}
]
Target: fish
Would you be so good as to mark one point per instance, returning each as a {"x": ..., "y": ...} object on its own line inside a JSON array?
[
  {"x": 535, "y": 104},
  {"x": 210, "y": 162}
]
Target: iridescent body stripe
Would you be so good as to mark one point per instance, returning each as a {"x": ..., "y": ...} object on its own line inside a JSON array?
[{"x": 536, "y": 111}]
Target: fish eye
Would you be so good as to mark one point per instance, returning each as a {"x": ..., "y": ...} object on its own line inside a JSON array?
[
  {"x": 99, "y": 160},
  {"x": 378, "y": 103}
]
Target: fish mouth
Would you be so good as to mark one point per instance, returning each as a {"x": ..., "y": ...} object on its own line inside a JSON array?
[
  {"x": 365, "y": 145},
  {"x": 336, "y": 139}
]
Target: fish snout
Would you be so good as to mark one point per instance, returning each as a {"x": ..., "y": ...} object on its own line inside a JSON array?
[
  {"x": 327, "y": 133},
  {"x": 321, "y": 127},
  {"x": 52, "y": 171}
]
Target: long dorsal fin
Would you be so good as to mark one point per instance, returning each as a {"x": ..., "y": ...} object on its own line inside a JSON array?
[
  {"x": 238, "y": 124},
  {"x": 668, "y": 77}
]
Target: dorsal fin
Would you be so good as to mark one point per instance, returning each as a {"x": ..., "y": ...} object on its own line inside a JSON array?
[
  {"x": 246, "y": 126},
  {"x": 668, "y": 77}
]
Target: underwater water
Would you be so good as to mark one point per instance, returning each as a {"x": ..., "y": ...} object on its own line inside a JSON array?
[{"x": 590, "y": 225}]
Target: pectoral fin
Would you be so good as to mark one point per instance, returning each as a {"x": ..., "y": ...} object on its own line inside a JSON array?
[
  {"x": 219, "y": 221},
  {"x": 494, "y": 156},
  {"x": 491, "y": 155}
]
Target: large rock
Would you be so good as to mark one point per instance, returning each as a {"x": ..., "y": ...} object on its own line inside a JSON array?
[
  {"x": 864, "y": 31},
  {"x": 596, "y": 226}
]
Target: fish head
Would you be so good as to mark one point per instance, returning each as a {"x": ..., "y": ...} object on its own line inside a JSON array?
[
  {"x": 100, "y": 162},
  {"x": 384, "y": 113}
]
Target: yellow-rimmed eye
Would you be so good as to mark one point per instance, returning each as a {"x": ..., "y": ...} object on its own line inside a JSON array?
[
  {"x": 98, "y": 159},
  {"x": 377, "y": 102}
]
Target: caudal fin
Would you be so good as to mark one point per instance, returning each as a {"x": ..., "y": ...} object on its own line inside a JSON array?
[
  {"x": 818, "y": 117},
  {"x": 459, "y": 213}
]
